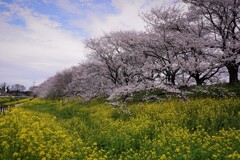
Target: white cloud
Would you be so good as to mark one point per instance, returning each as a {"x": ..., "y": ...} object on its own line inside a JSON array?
[
  {"x": 127, "y": 16},
  {"x": 41, "y": 47},
  {"x": 68, "y": 6}
]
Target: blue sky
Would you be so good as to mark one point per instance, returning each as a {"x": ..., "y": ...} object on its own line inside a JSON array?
[{"x": 41, "y": 37}]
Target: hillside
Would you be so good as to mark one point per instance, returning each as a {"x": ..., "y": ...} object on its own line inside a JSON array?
[
  {"x": 216, "y": 91},
  {"x": 197, "y": 128}
]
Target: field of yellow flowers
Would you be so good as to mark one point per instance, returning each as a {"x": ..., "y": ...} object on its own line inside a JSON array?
[{"x": 192, "y": 129}]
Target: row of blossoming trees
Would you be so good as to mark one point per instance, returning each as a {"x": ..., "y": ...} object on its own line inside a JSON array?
[{"x": 179, "y": 47}]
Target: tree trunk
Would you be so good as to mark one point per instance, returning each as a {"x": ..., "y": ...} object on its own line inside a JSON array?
[
  {"x": 233, "y": 72},
  {"x": 170, "y": 78},
  {"x": 173, "y": 79},
  {"x": 199, "y": 81}
]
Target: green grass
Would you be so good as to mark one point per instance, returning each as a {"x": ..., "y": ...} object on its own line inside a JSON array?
[
  {"x": 8, "y": 99},
  {"x": 18, "y": 101},
  {"x": 150, "y": 96}
]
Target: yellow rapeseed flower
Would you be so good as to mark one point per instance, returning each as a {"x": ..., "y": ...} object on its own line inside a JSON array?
[
  {"x": 177, "y": 149},
  {"x": 15, "y": 154}
]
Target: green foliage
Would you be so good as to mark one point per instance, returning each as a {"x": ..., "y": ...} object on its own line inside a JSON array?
[
  {"x": 150, "y": 95},
  {"x": 18, "y": 101},
  {"x": 9, "y": 99},
  {"x": 92, "y": 102},
  {"x": 192, "y": 129}
]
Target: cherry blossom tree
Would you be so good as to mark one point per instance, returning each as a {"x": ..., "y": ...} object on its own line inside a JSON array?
[
  {"x": 117, "y": 61},
  {"x": 104, "y": 54},
  {"x": 89, "y": 81},
  {"x": 160, "y": 43},
  {"x": 222, "y": 19},
  {"x": 192, "y": 38},
  {"x": 55, "y": 86},
  {"x": 185, "y": 41}
]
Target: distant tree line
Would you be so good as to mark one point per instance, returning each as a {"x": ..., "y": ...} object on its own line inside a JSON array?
[
  {"x": 15, "y": 89},
  {"x": 195, "y": 43}
]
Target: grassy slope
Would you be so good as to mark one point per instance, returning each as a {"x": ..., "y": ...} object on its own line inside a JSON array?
[
  {"x": 214, "y": 91},
  {"x": 200, "y": 128},
  {"x": 8, "y": 99},
  {"x": 194, "y": 92},
  {"x": 19, "y": 101}
]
